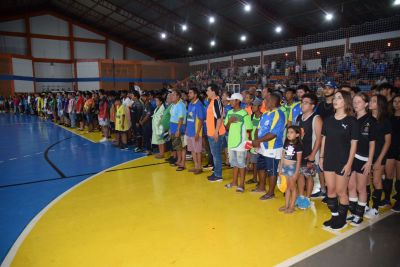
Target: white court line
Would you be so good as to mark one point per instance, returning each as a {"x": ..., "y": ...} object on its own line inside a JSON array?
[
  {"x": 38, "y": 153},
  {"x": 12, "y": 159},
  {"x": 332, "y": 241},
  {"x": 17, "y": 244},
  {"x": 27, "y": 156}
]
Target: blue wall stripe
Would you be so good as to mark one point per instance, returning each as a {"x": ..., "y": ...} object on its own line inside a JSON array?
[{"x": 94, "y": 79}]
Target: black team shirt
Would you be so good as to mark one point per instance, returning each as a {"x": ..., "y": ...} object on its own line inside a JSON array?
[{"x": 338, "y": 135}]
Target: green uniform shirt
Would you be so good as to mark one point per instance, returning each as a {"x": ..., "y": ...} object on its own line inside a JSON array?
[{"x": 238, "y": 130}]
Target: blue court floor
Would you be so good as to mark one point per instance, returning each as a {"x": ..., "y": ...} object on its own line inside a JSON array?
[{"x": 39, "y": 161}]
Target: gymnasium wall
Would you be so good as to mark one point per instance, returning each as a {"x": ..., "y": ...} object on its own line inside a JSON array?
[{"x": 47, "y": 51}]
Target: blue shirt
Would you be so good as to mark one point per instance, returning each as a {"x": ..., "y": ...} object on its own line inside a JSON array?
[
  {"x": 178, "y": 111},
  {"x": 196, "y": 113},
  {"x": 295, "y": 112},
  {"x": 272, "y": 122}
]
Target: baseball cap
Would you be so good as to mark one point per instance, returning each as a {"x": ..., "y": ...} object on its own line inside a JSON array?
[
  {"x": 331, "y": 84},
  {"x": 257, "y": 102},
  {"x": 236, "y": 96},
  {"x": 259, "y": 90}
]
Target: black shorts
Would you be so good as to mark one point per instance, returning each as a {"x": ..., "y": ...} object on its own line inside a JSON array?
[
  {"x": 357, "y": 165},
  {"x": 334, "y": 167},
  {"x": 392, "y": 153},
  {"x": 79, "y": 117}
]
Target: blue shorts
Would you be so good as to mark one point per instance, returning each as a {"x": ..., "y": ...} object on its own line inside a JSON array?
[
  {"x": 270, "y": 165},
  {"x": 288, "y": 170}
]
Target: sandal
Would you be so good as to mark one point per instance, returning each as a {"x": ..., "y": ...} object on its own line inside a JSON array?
[
  {"x": 283, "y": 208},
  {"x": 251, "y": 181},
  {"x": 289, "y": 210},
  {"x": 257, "y": 190},
  {"x": 230, "y": 185},
  {"x": 267, "y": 196},
  {"x": 192, "y": 170},
  {"x": 180, "y": 168},
  {"x": 199, "y": 171},
  {"x": 240, "y": 189}
]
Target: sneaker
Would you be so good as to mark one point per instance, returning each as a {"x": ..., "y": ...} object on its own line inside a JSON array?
[
  {"x": 305, "y": 203},
  {"x": 214, "y": 178},
  {"x": 339, "y": 226},
  {"x": 318, "y": 194},
  {"x": 329, "y": 222},
  {"x": 137, "y": 150},
  {"x": 385, "y": 203},
  {"x": 371, "y": 213},
  {"x": 104, "y": 139},
  {"x": 396, "y": 207},
  {"x": 396, "y": 196},
  {"x": 350, "y": 217},
  {"x": 325, "y": 199},
  {"x": 298, "y": 199},
  {"x": 357, "y": 220},
  {"x": 208, "y": 167}
]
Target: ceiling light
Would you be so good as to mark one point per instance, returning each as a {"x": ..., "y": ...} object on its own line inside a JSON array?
[
  {"x": 278, "y": 29},
  {"x": 247, "y": 7},
  {"x": 211, "y": 19},
  {"x": 190, "y": 49},
  {"x": 184, "y": 27},
  {"x": 163, "y": 35},
  {"x": 396, "y": 2},
  {"x": 243, "y": 38},
  {"x": 328, "y": 16},
  {"x": 389, "y": 44},
  {"x": 286, "y": 54},
  {"x": 212, "y": 43},
  {"x": 318, "y": 53}
]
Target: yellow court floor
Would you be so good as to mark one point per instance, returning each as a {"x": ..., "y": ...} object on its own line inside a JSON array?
[{"x": 144, "y": 213}]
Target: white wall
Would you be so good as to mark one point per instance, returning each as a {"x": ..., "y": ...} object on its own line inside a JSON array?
[
  {"x": 49, "y": 25},
  {"x": 313, "y": 64},
  {"x": 115, "y": 50},
  {"x": 89, "y": 50},
  {"x": 48, "y": 70},
  {"x": 136, "y": 55},
  {"x": 46, "y": 48},
  {"x": 88, "y": 70},
  {"x": 13, "y": 45},
  {"x": 23, "y": 67},
  {"x": 83, "y": 33},
  {"x": 13, "y": 26}
]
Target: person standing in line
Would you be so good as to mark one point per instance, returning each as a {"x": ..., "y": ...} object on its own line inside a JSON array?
[
  {"x": 339, "y": 144},
  {"x": 194, "y": 128},
  {"x": 269, "y": 141},
  {"x": 177, "y": 128},
  {"x": 238, "y": 122},
  {"x": 311, "y": 126},
  {"x": 362, "y": 164},
  {"x": 378, "y": 107},
  {"x": 157, "y": 137},
  {"x": 215, "y": 130}
]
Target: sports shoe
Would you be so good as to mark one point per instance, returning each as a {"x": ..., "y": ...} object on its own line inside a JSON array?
[
  {"x": 357, "y": 220},
  {"x": 325, "y": 199},
  {"x": 350, "y": 217},
  {"x": 329, "y": 222},
  {"x": 384, "y": 203},
  {"x": 305, "y": 203},
  {"x": 396, "y": 207},
  {"x": 103, "y": 140},
  {"x": 318, "y": 194},
  {"x": 215, "y": 179},
  {"x": 298, "y": 200},
  {"x": 371, "y": 213}
]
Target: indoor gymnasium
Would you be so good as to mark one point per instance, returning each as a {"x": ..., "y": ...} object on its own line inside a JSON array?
[{"x": 199, "y": 133}]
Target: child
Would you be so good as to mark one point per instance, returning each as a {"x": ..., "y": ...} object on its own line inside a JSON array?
[
  {"x": 290, "y": 166},
  {"x": 239, "y": 124}
]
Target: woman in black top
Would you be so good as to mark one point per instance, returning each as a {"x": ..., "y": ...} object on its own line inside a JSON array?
[
  {"x": 395, "y": 119},
  {"x": 378, "y": 107},
  {"x": 393, "y": 152},
  {"x": 338, "y": 147},
  {"x": 362, "y": 163}
]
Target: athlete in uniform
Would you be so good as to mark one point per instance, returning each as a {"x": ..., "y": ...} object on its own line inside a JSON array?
[{"x": 339, "y": 144}]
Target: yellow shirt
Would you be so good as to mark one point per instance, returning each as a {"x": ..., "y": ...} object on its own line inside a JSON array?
[{"x": 121, "y": 111}]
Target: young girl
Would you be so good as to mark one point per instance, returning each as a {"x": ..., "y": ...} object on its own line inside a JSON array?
[
  {"x": 362, "y": 163},
  {"x": 290, "y": 166},
  {"x": 339, "y": 143},
  {"x": 158, "y": 131},
  {"x": 378, "y": 107}
]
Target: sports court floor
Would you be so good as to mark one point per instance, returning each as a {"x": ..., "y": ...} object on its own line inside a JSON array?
[{"x": 66, "y": 200}]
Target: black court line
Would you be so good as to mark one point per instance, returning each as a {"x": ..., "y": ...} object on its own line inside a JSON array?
[
  {"x": 79, "y": 175},
  {"x": 46, "y": 157}
]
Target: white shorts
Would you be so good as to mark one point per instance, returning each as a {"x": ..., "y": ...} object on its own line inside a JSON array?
[{"x": 104, "y": 122}]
